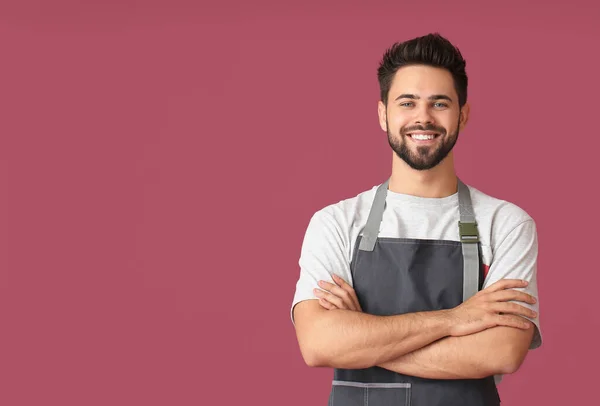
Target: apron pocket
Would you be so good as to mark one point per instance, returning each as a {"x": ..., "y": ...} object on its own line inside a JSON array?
[{"x": 345, "y": 393}]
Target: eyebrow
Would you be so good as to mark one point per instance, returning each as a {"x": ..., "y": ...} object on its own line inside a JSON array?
[{"x": 432, "y": 97}]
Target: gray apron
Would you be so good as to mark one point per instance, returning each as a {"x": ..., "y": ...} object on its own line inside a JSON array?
[{"x": 400, "y": 275}]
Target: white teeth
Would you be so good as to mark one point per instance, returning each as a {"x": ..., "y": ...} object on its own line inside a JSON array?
[{"x": 422, "y": 136}]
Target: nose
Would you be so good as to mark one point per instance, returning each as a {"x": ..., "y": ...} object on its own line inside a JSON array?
[{"x": 423, "y": 116}]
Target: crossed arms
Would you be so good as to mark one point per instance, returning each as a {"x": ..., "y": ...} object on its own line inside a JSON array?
[{"x": 486, "y": 335}]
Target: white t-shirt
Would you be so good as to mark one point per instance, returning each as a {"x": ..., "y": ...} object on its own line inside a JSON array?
[{"x": 508, "y": 236}]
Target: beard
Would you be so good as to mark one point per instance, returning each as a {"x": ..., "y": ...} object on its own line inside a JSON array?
[{"x": 426, "y": 156}]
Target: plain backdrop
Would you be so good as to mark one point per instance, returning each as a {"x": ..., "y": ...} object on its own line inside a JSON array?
[{"x": 160, "y": 161}]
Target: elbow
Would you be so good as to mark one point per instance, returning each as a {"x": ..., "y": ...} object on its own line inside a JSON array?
[
  {"x": 510, "y": 361},
  {"x": 316, "y": 345},
  {"x": 313, "y": 349},
  {"x": 321, "y": 348},
  {"x": 513, "y": 348},
  {"x": 314, "y": 360},
  {"x": 510, "y": 366},
  {"x": 314, "y": 356}
]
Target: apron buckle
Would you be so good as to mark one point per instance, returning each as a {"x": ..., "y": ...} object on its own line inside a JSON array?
[{"x": 468, "y": 232}]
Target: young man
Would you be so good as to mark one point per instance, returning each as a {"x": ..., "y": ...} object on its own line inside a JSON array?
[{"x": 422, "y": 290}]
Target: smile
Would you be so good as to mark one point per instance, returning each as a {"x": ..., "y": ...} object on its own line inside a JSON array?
[{"x": 423, "y": 136}]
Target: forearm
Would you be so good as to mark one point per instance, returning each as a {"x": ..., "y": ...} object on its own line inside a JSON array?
[
  {"x": 479, "y": 355},
  {"x": 354, "y": 340}
]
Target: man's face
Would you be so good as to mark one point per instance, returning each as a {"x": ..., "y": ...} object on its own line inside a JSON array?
[{"x": 422, "y": 117}]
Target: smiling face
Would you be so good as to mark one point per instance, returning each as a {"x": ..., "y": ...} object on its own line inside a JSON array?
[{"x": 422, "y": 117}]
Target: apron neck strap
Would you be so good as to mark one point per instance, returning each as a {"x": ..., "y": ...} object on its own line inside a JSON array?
[{"x": 467, "y": 229}]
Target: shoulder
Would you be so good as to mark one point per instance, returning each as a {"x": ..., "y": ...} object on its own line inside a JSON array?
[
  {"x": 501, "y": 216},
  {"x": 492, "y": 205},
  {"x": 331, "y": 232},
  {"x": 348, "y": 212}
]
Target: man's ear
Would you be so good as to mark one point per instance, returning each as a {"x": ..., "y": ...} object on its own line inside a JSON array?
[
  {"x": 381, "y": 111},
  {"x": 464, "y": 116}
]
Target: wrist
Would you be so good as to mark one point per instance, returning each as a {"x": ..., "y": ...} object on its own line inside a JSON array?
[{"x": 447, "y": 321}]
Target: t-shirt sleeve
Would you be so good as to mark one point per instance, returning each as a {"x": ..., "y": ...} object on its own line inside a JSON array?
[
  {"x": 323, "y": 253},
  {"x": 516, "y": 258}
]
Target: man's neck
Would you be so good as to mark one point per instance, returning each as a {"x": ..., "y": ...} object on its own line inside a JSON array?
[{"x": 437, "y": 182}]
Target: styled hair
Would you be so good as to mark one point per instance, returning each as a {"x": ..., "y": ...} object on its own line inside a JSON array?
[{"x": 431, "y": 50}]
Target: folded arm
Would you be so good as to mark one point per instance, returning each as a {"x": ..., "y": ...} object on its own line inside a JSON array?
[
  {"x": 354, "y": 340},
  {"x": 496, "y": 351}
]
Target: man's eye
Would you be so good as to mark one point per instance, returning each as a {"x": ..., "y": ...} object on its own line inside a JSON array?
[
  {"x": 440, "y": 105},
  {"x": 406, "y": 104}
]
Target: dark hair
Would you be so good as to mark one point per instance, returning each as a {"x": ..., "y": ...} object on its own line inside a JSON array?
[{"x": 432, "y": 50}]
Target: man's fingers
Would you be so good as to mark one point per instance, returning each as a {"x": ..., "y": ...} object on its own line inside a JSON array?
[
  {"x": 323, "y": 302},
  {"x": 339, "y": 292},
  {"x": 505, "y": 284},
  {"x": 513, "y": 321},
  {"x": 341, "y": 282},
  {"x": 333, "y": 299},
  {"x": 513, "y": 308},
  {"x": 335, "y": 289},
  {"x": 511, "y": 294},
  {"x": 346, "y": 286}
]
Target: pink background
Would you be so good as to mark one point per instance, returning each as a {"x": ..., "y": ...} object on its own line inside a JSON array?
[{"x": 160, "y": 160}]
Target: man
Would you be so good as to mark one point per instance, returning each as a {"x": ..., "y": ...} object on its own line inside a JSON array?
[{"x": 421, "y": 290}]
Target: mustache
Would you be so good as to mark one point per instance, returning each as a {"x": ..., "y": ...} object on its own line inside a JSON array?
[{"x": 429, "y": 127}]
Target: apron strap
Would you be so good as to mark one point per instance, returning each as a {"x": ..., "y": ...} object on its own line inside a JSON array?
[
  {"x": 469, "y": 237},
  {"x": 371, "y": 230},
  {"x": 467, "y": 228}
]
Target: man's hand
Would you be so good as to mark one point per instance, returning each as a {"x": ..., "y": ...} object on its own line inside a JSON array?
[
  {"x": 337, "y": 296},
  {"x": 488, "y": 308}
]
